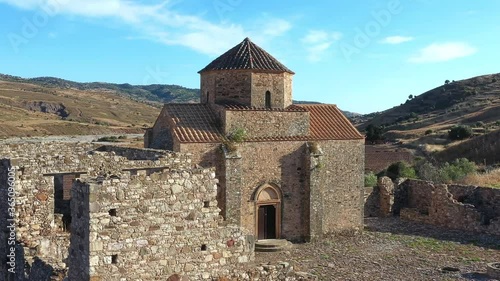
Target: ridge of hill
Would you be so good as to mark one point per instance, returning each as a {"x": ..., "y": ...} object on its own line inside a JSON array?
[
  {"x": 155, "y": 93},
  {"x": 465, "y": 102}
]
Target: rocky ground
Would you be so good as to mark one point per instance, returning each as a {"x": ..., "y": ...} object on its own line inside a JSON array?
[{"x": 391, "y": 249}]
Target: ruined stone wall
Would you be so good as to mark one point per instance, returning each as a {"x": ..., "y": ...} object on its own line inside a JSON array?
[
  {"x": 42, "y": 232},
  {"x": 151, "y": 227},
  {"x": 452, "y": 206},
  {"x": 268, "y": 123},
  {"x": 336, "y": 177},
  {"x": 223, "y": 86},
  {"x": 278, "y": 84}
]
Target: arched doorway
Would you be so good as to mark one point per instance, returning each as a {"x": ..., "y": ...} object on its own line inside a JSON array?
[{"x": 267, "y": 212}]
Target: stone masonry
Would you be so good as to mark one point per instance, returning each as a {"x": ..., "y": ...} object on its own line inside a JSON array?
[
  {"x": 119, "y": 188},
  {"x": 469, "y": 208}
]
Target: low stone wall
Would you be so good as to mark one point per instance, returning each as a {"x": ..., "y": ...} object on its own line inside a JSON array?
[
  {"x": 151, "y": 227},
  {"x": 452, "y": 206}
]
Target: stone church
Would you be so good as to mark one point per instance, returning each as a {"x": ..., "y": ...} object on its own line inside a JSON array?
[{"x": 284, "y": 170}]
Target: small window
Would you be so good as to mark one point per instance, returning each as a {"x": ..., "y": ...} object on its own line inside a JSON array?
[
  {"x": 208, "y": 96},
  {"x": 204, "y": 247},
  {"x": 112, "y": 212},
  {"x": 268, "y": 99},
  {"x": 114, "y": 259},
  {"x": 206, "y": 204}
]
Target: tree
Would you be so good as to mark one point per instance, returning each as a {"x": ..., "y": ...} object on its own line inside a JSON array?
[
  {"x": 447, "y": 82},
  {"x": 401, "y": 170},
  {"x": 374, "y": 133},
  {"x": 459, "y": 132},
  {"x": 410, "y": 97}
]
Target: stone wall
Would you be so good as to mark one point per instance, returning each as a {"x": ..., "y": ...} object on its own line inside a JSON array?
[
  {"x": 252, "y": 167},
  {"x": 160, "y": 136},
  {"x": 336, "y": 177},
  {"x": 279, "y": 86},
  {"x": 151, "y": 227},
  {"x": 268, "y": 123},
  {"x": 246, "y": 87},
  {"x": 458, "y": 207},
  {"x": 322, "y": 192},
  {"x": 226, "y": 86},
  {"x": 41, "y": 231}
]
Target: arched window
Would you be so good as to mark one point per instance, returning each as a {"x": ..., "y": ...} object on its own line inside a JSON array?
[{"x": 268, "y": 99}]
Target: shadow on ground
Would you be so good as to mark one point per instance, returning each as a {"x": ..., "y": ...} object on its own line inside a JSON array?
[{"x": 395, "y": 225}]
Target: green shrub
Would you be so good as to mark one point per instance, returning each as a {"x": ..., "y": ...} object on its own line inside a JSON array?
[
  {"x": 448, "y": 172},
  {"x": 428, "y": 132},
  {"x": 370, "y": 179},
  {"x": 479, "y": 124},
  {"x": 459, "y": 132},
  {"x": 238, "y": 135},
  {"x": 458, "y": 169},
  {"x": 374, "y": 133},
  {"x": 401, "y": 170}
]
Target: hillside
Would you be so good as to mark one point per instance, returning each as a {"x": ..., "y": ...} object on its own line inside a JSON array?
[
  {"x": 146, "y": 93},
  {"x": 458, "y": 102},
  {"x": 34, "y": 110}
]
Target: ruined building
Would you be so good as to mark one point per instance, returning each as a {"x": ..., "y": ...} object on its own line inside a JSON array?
[
  {"x": 133, "y": 214},
  {"x": 285, "y": 171}
]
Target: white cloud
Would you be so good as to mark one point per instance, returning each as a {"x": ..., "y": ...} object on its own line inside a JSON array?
[
  {"x": 396, "y": 39},
  {"x": 160, "y": 23},
  {"x": 318, "y": 42},
  {"x": 439, "y": 52},
  {"x": 276, "y": 27}
]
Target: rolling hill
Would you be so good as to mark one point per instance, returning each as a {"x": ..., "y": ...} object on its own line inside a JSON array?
[{"x": 467, "y": 102}]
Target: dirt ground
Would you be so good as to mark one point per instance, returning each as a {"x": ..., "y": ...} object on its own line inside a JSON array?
[{"x": 391, "y": 249}]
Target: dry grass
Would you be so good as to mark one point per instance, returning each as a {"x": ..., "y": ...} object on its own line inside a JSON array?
[
  {"x": 90, "y": 112},
  {"x": 489, "y": 179}
]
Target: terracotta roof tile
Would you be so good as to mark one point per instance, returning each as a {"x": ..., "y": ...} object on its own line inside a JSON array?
[
  {"x": 291, "y": 108},
  {"x": 196, "y": 123},
  {"x": 193, "y": 123},
  {"x": 246, "y": 55},
  {"x": 328, "y": 123}
]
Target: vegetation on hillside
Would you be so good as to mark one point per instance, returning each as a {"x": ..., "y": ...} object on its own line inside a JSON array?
[
  {"x": 152, "y": 93},
  {"x": 447, "y": 172},
  {"x": 457, "y": 102}
]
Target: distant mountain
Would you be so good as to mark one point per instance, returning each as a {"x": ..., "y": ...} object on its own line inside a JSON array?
[{"x": 152, "y": 93}]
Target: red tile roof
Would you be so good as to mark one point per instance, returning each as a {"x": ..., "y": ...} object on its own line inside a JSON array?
[
  {"x": 194, "y": 123},
  {"x": 328, "y": 123},
  {"x": 235, "y": 107},
  {"x": 246, "y": 55}
]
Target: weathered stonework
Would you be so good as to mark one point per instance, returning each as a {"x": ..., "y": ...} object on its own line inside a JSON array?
[
  {"x": 157, "y": 190},
  {"x": 468, "y": 208},
  {"x": 151, "y": 227},
  {"x": 268, "y": 123},
  {"x": 246, "y": 87}
]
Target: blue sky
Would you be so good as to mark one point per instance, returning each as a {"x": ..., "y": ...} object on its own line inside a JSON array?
[{"x": 364, "y": 56}]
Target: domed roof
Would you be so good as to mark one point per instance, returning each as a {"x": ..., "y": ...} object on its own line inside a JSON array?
[{"x": 246, "y": 55}]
